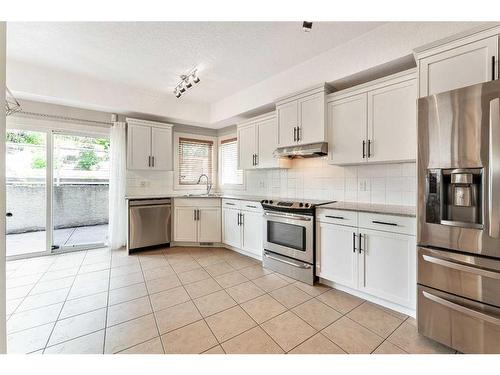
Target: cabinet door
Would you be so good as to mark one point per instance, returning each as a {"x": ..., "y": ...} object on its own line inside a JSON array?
[
  {"x": 252, "y": 232},
  {"x": 209, "y": 224},
  {"x": 138, "y": 146},
  {"x": 392, "y": 122},
  {"x": 267, "y": 141},
  {"x": 161, "y": 148},
  {"x": 246, "y": 146},
  {"x": 312, "y": 119},
  {"x": 287, "y": 120},
  {"x": 387, "y": 266},
  {"x": 347, "y": 127},
  {"x": 231, "y": 228},
  {"x": 185, "y": 226},
  {"x": 336, "y": 258},
  {"x": 459, "y": 67}
]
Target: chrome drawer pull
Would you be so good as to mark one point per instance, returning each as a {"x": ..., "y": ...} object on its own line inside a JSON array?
[
  {"x": 335, "y": 217},
  {"x": 462, "y": 267},
  {"x": 229, "y": 204},
  {"x": 305, "y": 266},
  {"x": 384, "y": 223},
  {"x": 462, "y": 309},
  {"x": 251, "y": 206}
]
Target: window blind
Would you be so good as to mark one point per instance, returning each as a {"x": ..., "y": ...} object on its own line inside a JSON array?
[
  {"x": 230, "y": 174},
  {"x": 195, "y": 158}
]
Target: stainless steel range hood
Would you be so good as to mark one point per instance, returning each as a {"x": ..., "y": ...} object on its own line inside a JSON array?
[{"x": 302, "y": 151}]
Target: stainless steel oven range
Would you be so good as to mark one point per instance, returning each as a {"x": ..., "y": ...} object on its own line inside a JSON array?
[{"x": 289, "y": 238}]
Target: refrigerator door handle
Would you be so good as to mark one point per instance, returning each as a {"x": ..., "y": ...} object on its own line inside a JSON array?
[
  {"x": 494, "y": 170},
  {"x": 462, "y": 267},
  {"x": 464, "y": 310}
]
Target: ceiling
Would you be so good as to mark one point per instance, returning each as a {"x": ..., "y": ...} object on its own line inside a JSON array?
[{"x": 231, "y": 56}]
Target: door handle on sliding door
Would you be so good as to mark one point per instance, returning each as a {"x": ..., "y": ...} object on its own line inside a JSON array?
[{"x": 494, "y": 170}]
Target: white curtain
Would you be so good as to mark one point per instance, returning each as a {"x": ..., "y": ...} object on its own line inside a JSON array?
[{"x": 117, "y": 229}]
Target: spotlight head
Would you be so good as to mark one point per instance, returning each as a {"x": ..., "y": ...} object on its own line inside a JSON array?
[
  {"x": 196, "y": 79},
  {"x": 182, "y": 90},
  {"x": 307, "y": 26},
  {"x": 189, "y": 84}
]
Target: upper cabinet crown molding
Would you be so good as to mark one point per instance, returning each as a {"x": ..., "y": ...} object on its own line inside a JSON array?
[
  {"x": 149, "y": 145},
  {"x": 463, "y": 60},
  {"x": 364, "y": 120},
  {"x": 302, "y": 116}
]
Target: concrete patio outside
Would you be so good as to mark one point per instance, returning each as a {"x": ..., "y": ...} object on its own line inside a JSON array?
[{"x": 30, "y": 242}]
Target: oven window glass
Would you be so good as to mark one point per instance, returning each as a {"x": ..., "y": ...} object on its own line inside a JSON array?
[{"x": 288, "y": 235}]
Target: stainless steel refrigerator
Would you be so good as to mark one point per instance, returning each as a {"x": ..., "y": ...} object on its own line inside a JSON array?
[{"x": 458, "y": 302}]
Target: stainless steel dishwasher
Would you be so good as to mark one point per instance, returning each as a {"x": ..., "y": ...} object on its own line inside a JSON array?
[{"x": 149, "y": 223}]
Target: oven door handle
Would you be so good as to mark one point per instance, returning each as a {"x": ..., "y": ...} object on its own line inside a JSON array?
[
  {"x": 462, "y": 309},
  {"x": 289, "y": 216},
  {"x": 303, "y": 266}
]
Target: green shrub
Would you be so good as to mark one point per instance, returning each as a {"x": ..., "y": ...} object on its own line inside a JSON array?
[
  {"x": 87, "y": 160},
  {"x": 38, "y": 163}
]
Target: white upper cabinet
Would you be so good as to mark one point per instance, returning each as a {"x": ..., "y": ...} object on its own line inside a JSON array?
[
  {"x": 161, "y": 148},
  {"x": 149, "y": 145},
  {"x": 364, "y": 121},
  {"x": 311, "y": 119},
  {"x": 454, "y": 63},
  {"x": 392, "y": 122},
  {"x": 287, "y": 123},
  {"x": 257, "y": 140},
  {"x": 348, "y": 125},
  {"x": 246, "y": 146},
  {"x": 138, "y": 147},
  {"x": 301, "y": 117}
]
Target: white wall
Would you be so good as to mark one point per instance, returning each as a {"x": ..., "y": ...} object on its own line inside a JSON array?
[
  {"x": 384, "y": 44},
  {"x": 316, "y": 179},
  {"x": 3, "y": 340}
]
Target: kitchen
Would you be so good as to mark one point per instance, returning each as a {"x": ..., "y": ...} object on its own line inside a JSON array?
[{"x": 349, "y": 215}]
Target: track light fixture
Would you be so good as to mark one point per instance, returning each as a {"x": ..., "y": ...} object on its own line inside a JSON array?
[
  {"x": 186, "y": 82},
  {"x": 307, "y": 26}
]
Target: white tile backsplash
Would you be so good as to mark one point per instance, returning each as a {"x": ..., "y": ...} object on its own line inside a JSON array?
[
  {"x": 316, "y": 179},
  {"x": 308, "y": 179}
]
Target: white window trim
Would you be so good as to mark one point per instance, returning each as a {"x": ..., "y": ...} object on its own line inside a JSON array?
[
  {"x": 241, "y": 186},
  {"x": 201, "y": 186}
]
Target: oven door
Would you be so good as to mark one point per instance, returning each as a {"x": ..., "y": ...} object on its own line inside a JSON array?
[{"x": 290, "y": 235}]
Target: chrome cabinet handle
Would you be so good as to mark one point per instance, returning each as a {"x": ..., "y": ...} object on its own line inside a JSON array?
[
  {"x": 492, "y": 68},
  {"x": 364, "y": 146},
  {"x": 462, "y": 309},
  {"x": 242, "y": 219},
  {"x": 369, "y": 148},
  {"x": 494, "y": 170},
  {"x": 298, "y": 133},
  {"x": 194, "y": 215},
  {"x": 462, "y": 267},
  {"x": 256, "y": 159},
  {"x": 229, "y": 204},
  {"x": 353, "y": 242},
  {"x": 149, "y": 161},
  {"x": 295, "y": 134},
  {"x": 305, "y": 266},
  {"x": 153, "y": 161},
  {"x": 360, "y": 238}
]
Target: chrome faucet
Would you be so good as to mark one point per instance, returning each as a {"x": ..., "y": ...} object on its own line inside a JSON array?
[{"x": 209, "y": 185}]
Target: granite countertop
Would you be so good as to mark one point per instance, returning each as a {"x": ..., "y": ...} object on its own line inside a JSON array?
[{"x": 390, "y": 209}]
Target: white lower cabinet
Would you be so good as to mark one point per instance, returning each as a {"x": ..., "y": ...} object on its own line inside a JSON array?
[
  {"x": 209, "y": 224},
  {"x": 231, "y": 230},
  {"x": 337, "y": 260},
  {"x": 382, "y": 264},
  {"x": 387, "y": 266},
  {"x": 242, "y": 229},
  {"x": 197, "y": 220}
]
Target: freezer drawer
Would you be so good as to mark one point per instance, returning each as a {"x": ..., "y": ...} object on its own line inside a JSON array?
[
  {"x": 470, "y": 276},
  {"x": 462, "y": 324},
  {"x": 149, "y": 224}
]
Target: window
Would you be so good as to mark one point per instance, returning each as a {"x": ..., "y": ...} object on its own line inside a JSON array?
[
  {"x": 195, "y": 158},
  {"x": 229, "y": 172}
]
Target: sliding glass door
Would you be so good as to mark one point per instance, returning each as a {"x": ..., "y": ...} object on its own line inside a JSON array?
[
  {"x": 57, "y": 191},
  {"x": 79, "y": 191},
  {"x": 27, "y": 199}
]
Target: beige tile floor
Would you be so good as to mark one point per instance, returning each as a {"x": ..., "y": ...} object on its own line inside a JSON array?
[{"x": 189, "y": 300}]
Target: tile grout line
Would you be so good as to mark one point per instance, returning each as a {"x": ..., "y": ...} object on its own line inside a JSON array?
[
  {"x": 64, "y": 303},
  {"x": 107, "y": 304}
]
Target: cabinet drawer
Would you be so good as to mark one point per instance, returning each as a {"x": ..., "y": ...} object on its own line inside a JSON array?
[
  {"x": 388, "y": 223},
  {"x": 326, "y": 215},
  {"x": 251, "y": 206},
  {"x": 231, "y": 203}
]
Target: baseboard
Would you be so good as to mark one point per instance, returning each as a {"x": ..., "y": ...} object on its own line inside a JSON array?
[
  {"x": 243, "y": 252},
  {"x": 195, "y": 244},
  {"x": 379, "y": 301}
]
